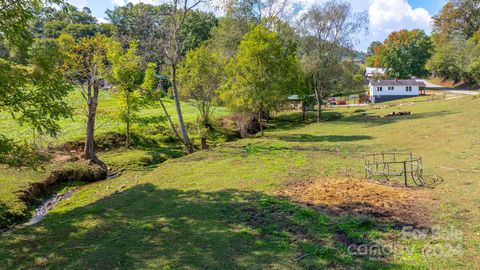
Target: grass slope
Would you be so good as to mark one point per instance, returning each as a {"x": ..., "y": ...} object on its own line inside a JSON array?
[
  {"x": 150, "y": 150},
  {"x": 218, "y": 209},
  {"x": 108, "y": 119}
]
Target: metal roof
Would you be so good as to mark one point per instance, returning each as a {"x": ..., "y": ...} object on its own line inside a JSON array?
[
  {"x": 396, "y": 82},
  {"x": 373, "y": 70}
]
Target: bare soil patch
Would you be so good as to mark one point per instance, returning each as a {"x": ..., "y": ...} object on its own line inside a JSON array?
[{"x": 353, "y": 197}]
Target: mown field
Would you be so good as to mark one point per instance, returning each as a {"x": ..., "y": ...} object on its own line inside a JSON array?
[
  {"x": 251, "y": 203},
  {"x": 154, "y": 142}
]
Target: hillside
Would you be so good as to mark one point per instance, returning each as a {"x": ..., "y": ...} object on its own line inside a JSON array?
[{"x": 252, "y": 203}]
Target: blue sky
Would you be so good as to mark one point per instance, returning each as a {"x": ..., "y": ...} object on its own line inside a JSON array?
[{"x": 385, "y": 15}]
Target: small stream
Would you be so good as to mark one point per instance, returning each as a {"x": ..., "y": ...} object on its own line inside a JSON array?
[{"x": 48, "y": 205}]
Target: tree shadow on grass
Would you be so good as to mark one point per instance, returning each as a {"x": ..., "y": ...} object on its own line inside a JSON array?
[
  {"x": 146, "y": 227},
  {"x": 8, "y": 216},
  {"x": 294, "y": 120},
  {"x": 325, "y": 138},
  {"x": 376, "y": 120}
]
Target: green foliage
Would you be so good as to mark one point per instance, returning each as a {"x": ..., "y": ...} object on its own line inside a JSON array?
[
  {"x": 405, "y": 53},
  {"x": 200, "y": 76},
  {"x": 16, "y": 154},
  {"x": 34, "y": 96},
  {"x": 448, "y": 60},
  {"x": 458, "y": 18},
  {"x": 260, "y": 75},
  {"x": 88, "y": 59},
  {"x": 80, "y": 30},
  {"x": 325, "y": 49},
  {"x": 147, "y": 25},
  {"x": 51, "y": 22},
  {"x": 372, "y": 46},
  {"x": 227, "y": 36},
  {"x": 126, "y": 74},
  {"x": 149, "y": 81},
  {"x": 456, "y": 32},
  {"x": 14, "y": 18},
  {"x": 196, "y": 29},
  {"x": 53, "y": 29}
]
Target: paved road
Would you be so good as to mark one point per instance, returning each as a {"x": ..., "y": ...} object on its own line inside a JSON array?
[{"x": 451, "y": 90}]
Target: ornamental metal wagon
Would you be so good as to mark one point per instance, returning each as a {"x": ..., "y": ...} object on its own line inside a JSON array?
[{"x": 393, "y": 166}]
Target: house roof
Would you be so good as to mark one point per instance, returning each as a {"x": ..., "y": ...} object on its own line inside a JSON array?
[{"x": 397, "y": 82}]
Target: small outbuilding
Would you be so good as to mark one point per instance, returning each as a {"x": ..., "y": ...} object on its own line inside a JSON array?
[
  {"x": 374, "y": 73},
  {"x": 387, "y": 90}
]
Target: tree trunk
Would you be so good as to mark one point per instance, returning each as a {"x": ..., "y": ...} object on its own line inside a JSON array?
[
  {"x": 260, "y": 122},
  {"x": 183, "y": 129},
  {"x": 128, "y": 119},
  {"x": 303, "y": 112},
  {"x": 319, "y": 109},
  {"x": 169, "y": 119},
  {"x": 89, "y": 152},
  {"x": 204, "y": 143}
]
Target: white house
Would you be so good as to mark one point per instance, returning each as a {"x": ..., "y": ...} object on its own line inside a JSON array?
[{"x": 386, "y": 90}]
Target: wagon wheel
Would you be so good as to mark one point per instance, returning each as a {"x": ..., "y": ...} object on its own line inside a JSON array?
[{"x": 418, "y": 180}]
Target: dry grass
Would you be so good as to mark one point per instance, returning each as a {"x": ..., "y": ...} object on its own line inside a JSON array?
[{"x": 351, "y": 197}]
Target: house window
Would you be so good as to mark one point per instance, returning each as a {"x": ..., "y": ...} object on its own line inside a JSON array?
[
  {"x": 390, "y": 88},
  {"x": 379, "y": 89},
  {"x": 409, "y": 89}
]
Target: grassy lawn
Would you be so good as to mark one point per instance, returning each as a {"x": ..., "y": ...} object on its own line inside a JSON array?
[
  {"x": 108, "y": 119},
  {"x": 154, "y": 148},
  {"x": 226, "y": 208}
]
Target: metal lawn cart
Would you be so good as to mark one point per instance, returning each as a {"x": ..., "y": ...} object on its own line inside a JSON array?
[{"x": 390, "y": 166}]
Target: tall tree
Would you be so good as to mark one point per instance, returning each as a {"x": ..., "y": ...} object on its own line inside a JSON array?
[
  {"x": 89, "y": 63},
  {"x": 329, "y": 32},
  {"x": 261, "y": 74},
  {"x": 405, "y": 54},
  {"x": 470, "y": 12},
  {"x": 178, "y": 12},
  {"x": 455, "y": 31}
]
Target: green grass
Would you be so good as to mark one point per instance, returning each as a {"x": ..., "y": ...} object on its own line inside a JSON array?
[
  {"x": 217, "y": 209},
  {"x": 108, "y": 119},
  {"x": 152, "y": 147}
]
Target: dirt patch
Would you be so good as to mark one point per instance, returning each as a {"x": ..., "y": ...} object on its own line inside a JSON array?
[
  {"x": 102, "y": 142},
  {"x": 401, "y": 206},
  {"x": 244, "y": 124}
]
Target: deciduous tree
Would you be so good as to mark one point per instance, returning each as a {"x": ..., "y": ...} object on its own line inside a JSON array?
[
  {"x": 261, "y": 74},
  {"x": 405, "y": 53},
  {"x": 125, "y": 72},
  {"x": 89, "y": 62},
  {"x": 329, "y": 32},
  {"x": 178, "y": 12}
]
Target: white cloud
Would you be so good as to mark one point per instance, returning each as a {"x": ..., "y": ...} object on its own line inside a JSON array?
[{"x": 387, "y": 16}]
